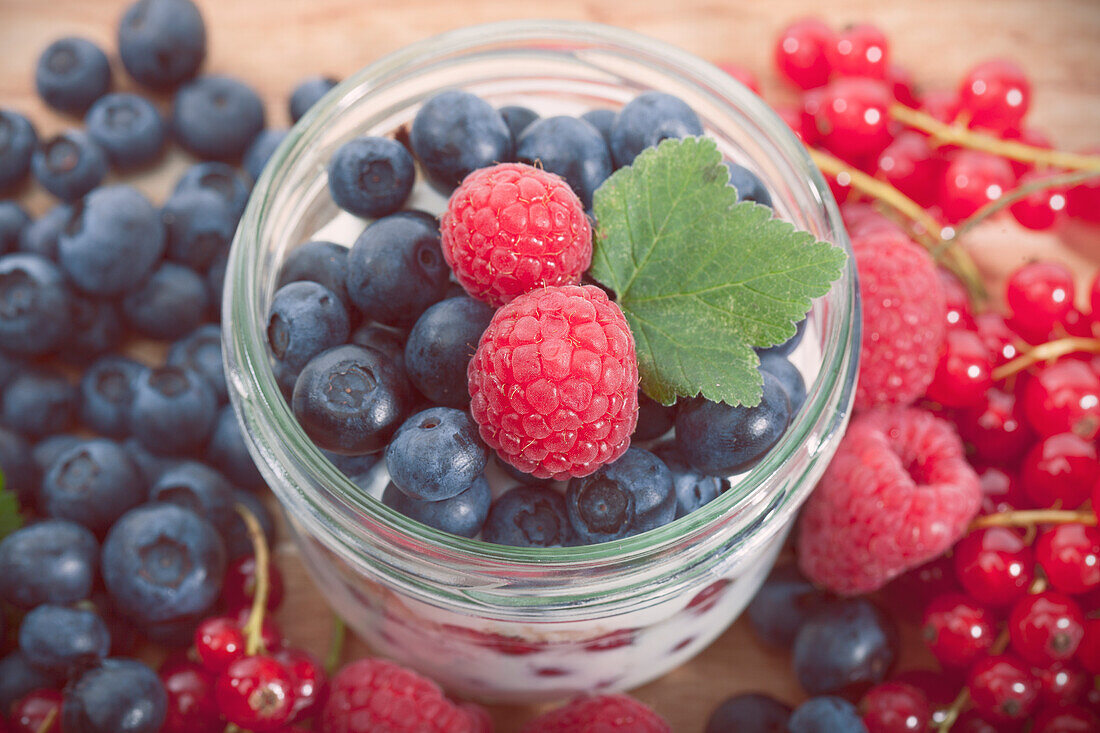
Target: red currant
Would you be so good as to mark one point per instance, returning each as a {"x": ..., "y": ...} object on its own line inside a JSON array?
[
  {"x": 1060, "y": 469},
  {"x": 914, "y": 589},
  {"x": 239, "y": 587},
  {"x": 1070, "y": 556},
  {"x": 1083, "y": 201},
  {"x": 994, "y": 565},
  {"x": 1039, "y": 210},
  {"x": 895, "y": 707},
  {"x": 1001, "y": 492},
  {"x": 1088, "y": 653},
  {"x": 972, "y": 721},
  {"x": 959, "y": 314},
  {"x": 911, "y": 166},
  {"x": 271, "y": 636},
  {"x": 1046, "y": 627},
  {"x": 998, "y": 337},
  {"x": 219, "y": 641},
  {"x": 941, "y": 104},
  {"x": 963, "y": 372},
  {"x": 971, "y": 180},
  {"x": 957, "y": 630},
  {"x": 995, "y": 430},
  {"x": 796, "y": 121},
  {"x": 1061, "y": 683},
  {"x": 741, "y": 74},
  {"x": 191, "y": 706},
  {"x": 860, "y": 50},
  {"x": 310, "y": 682},
  {"x": 1070, "y": 719},
  {"x": 996, "y": 95},
  {"x": 801, "y": 53},
  {"x": 938, "y": 687},
  {"x": 1039, "y": 294},
  {"x": 901, "y": 81},
  {"x": 852, "y": 118},
  {"x": 29, "y": 713},
  {"x": 1002, "y": 688},
  {"x": 1063, "y": 397},
  {"x": 1077, "y": 323},
  {"x": 256, "y": 693}
]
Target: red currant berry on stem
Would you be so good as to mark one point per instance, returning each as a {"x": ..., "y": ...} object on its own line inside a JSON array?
[
  {"x": 957, "y": 630},
  {"x": 902, "y": 84},
  {"x": 801, "y": 53},
  {"x": 1088, "y": 653},
  {"x": 852, "y": 118},
  {"x": 1001, "y": 491},
  {"x": 239, "y": 587},
  {"x": 1069, "y": 719},
  {"x": 1061, "y": 683},
  {"x": 996, "y": 95},
  {"x": 910, "y": 165},
  {"x": 256, "y": 693},
  {"x": 959, "y": 314},
  {"x": 1040, "y": 295},
  {"x": 219, "y": 642},
  {"x": 1046, "y": 627},
  {"x": 996, "y": 431},
  {"x": 794, "y": 118},
  {"x": 1070, "y": 556},
  {"x": 310, "y": 681},
  {"x": 895, "y": 707},
  {"x": 962, "y": 375},
  {"x": 973, "y": 721},
  {"x": 971, "y": 180},
  {"x": 860, "y": 50},
  {"x": 994, "y": 565},
  {"x": 271, "y": 636},
  {"x": 1039, "y": 210},
  {"x": 1083, "y": 201},
  {"x": 1064, "y": 397},
  {"x": 909, "y": 593},
  {"x": 1061, "y": 469},
  {"x": 941, "y": 105},
  {"x": 30, "y": 712},
  {"x": 741, "y": 74},
  {"x": 1002, "y": 688},
  {"x": 191, "y": 705}
]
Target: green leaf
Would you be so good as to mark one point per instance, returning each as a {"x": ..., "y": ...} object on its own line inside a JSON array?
[
  {"x": 702, "y": 278},
  {"x": 10, "y": 518}
]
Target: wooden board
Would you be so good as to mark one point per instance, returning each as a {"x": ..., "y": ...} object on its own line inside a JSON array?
[{"x": 273, "y": 43}]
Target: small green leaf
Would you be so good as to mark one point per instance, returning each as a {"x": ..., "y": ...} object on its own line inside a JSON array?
[
  {"x": 701, "y": 278},
  {"x": 10, "y": 518}
]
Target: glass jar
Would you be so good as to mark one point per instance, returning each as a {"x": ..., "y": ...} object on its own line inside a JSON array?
[{"x": 513, "y": 624}]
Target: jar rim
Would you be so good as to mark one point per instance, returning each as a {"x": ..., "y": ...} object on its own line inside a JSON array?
[{"x": 258, "y": 400}]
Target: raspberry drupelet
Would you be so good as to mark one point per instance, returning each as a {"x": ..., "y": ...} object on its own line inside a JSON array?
[{"x": 554, "y": 382}]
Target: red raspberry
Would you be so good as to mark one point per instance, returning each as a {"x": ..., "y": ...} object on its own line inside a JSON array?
[
  {"x": 511, "y": 228},
  {"x": 554, "y": 382},
  {"x": 898, "y": 493},
  {"x": 378, "y": 696},
  {"x": 599, "y": 714},
  {"x": 904, "y": 319}
]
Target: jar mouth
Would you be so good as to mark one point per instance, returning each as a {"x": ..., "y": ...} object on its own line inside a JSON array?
[{"x": 273, "y": 433}]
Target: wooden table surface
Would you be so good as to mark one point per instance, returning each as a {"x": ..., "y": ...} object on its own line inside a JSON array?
[{"x": 273, "y": 43}]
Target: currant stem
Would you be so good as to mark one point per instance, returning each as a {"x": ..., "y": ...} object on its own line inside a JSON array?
[
  {"x": 47, "y": 722},
  {"x": 336, "y": 645},
  {"x": 1032, "y": 517},
  {"x": 1047, "y": 352},
  {"x": 959, "y": 135},
  {"x": 1020, "y": 192},
  {"x": 253, "y": 629}
]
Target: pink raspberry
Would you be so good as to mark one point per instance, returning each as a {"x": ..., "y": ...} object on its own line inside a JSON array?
[
  {"x": 377, "y": 696},
  {"x": 898, "y": 493},
  {"x": 554, "y": 382},
  {"x": 904, "y": 317},
  {"x": 511, "y": 228},
  {"x": 599, "y": 714}
]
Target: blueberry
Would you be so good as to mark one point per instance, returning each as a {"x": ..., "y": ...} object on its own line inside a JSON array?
[
  {"x": 149, "y": 465},
  {"x": 69, "y": 165},
  {"x": 13, "y": 220},
  {"x": 18, "y": 466},
  {"x": 176, "y": 634},
  {"x": 107, "y": 393},
  {"x": 305, "y": 318},
  {"x": 41, "y": 235},
  {"x": 463, "y": 514},
  {"x": 221, "y": 178},
  {"x": 129, "y": 129},
  {"x": 389, "y": 342},
  {"x": 17, "y": 143},
  {"x": 324, "y": 263},
  {"x": 654, "y": 419},
  {"x": 721, "y": 440},
  {"x": 162, "y": 42},
  {"x": 201, "y": 352},
  {"x": 18, "y": 677},
  {"x": 454, "y": 133},
  {"x": 198, "y": 224},
  {"x": 396, "y": 269},
  {"x": 749, "y": 713},
  {"x": 57, "y": 638},
  {"x": 52, "y": 561},
  {"x": 785, "y": 348},
  {"x": 173, "y": 411},
  {"x": 748, "y": 184},
  {"x": 782, "y": 605},
  {"x": 260, "y": 151},
  {"x": 371, "y": 176},
  {"x": 39, "y": 402},
  {"x": 436, "y": 454},
  {"x": 34, "y": 305},
  {"x": 788, "y": 375},
  {"x": 96, "y": 328},
  {"x": 529, "y": 516},
  {"x": 350, "y": 400},
  {"x": 93, "y": 483},
  {"x": 352, "y": 466},
  {"x": 118, "y": 696},
  {"x": 229, "y": 454},
  {"x": 161, "y": 562},
  {"x": 843, "y": 646},
  {"x": 199, "y": 488},
  {"x": 647, "y": 120},
  {"x": 112, "y": 242},
  {"x": 621, "y": 499},
  {"x": 518, "y": 118},
  {"x": 237, "y": 543},
  {"x": 170, "y": 304},
  {"x": 307, "y": 93},
  {"x": 693, "y": 489},
  {"x": 216, "y": 117},
  {"x": 71, "y": 74},
  {"x": 48, "y": 450},
  {"x": 570, "y": 147},
  {"x": 441, "y": 345},
  {"x": 826, "y": 714},
  {"x": 603, "y": 120}
]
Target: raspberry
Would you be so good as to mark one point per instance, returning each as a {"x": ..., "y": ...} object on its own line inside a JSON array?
[
  {"x": 898, "y": 493},
  {"x": 554, "y": 382},
  {"x": 599, "y": 714},
  {"x": 511, "y": 228},
  {"x": 377, "y": 696},
  {"x": 904, "y": 319}
]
